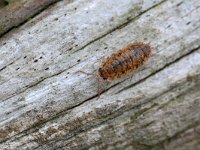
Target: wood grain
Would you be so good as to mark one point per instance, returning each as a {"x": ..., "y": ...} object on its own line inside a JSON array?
[{"x": 46, "y": 104}]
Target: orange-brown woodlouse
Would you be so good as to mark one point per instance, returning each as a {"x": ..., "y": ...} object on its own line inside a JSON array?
[{"x": 123, "y": 62}]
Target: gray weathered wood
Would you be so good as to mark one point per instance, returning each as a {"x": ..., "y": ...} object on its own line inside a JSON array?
[
  {"x": 16, "y": 12},
  {"x": 46, "y": 104}
]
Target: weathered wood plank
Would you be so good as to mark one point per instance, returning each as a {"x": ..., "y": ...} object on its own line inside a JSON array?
[
  {"x": 57, "y": 41},
  {"x": 142, "y": 116},
  {"x": 57, "y": 56},
  {"x": 15, "y": 12},
  {"x": 44, "y": 105},
  {"x": 188, "y": 140}
]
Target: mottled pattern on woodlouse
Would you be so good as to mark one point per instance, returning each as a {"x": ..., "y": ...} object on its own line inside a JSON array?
[{"x": 125, "y": 61}]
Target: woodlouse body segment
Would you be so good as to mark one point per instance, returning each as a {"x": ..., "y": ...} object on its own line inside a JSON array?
[{"x": 125, "y": 61}]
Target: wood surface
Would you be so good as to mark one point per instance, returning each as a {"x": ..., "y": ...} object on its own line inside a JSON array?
[
  {"x": 46, "y": 104},
  {"x": 14, "y": 13}
]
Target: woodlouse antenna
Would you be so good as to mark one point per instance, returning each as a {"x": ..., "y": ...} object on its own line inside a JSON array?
[{"x": 98, "y": 79}]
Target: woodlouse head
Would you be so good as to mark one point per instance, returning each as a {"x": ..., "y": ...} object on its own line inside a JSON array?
[{"x": 102, "y": 73}]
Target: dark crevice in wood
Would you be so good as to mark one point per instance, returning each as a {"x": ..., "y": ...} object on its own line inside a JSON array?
[
  {"x": 6, "y": 66},
  {"x": 3, "y": 3}
]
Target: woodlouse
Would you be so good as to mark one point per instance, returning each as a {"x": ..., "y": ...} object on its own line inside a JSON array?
[{"x": 123, "y": 62}]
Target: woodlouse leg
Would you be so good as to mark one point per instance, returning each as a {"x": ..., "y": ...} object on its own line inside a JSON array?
[
  {"x": 99, "y": 90},
  {"x": 87, "y": 73}
]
